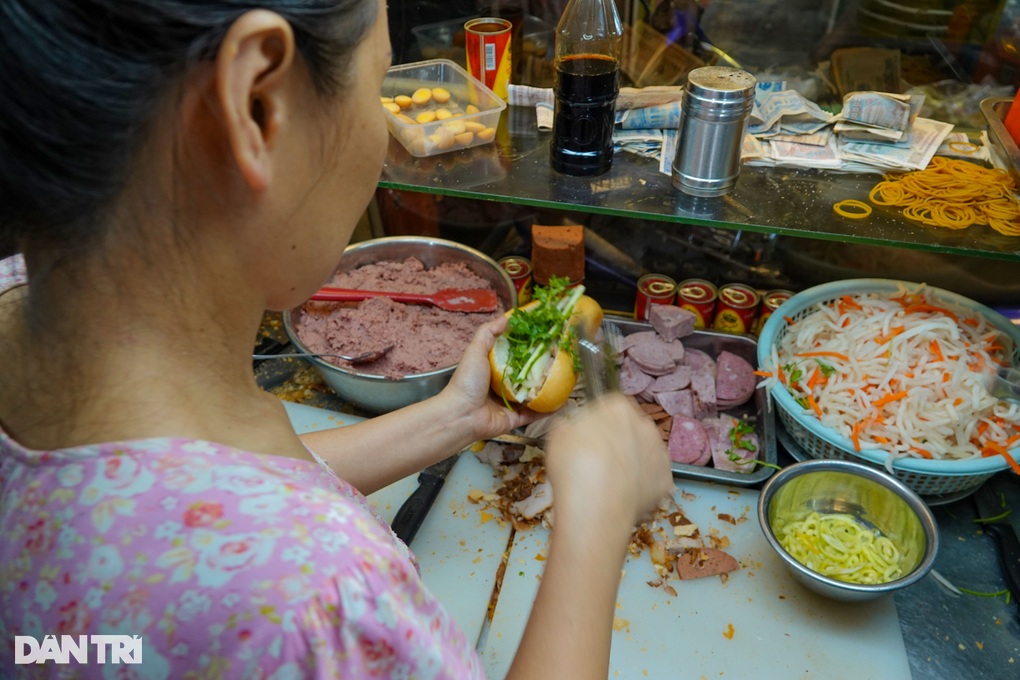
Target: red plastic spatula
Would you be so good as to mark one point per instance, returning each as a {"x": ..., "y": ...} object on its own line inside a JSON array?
[{"x": 450, "y": 299}]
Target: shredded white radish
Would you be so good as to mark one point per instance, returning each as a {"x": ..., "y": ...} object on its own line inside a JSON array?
[{"x": 903, "y": 373}]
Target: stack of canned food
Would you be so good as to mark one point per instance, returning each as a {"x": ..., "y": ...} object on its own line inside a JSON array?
[{"x": 730, "y": 308}]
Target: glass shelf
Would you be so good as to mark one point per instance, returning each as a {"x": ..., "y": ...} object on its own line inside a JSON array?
[{"x": 791, "y": 202}]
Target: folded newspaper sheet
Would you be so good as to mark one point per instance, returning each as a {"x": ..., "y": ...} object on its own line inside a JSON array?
[{"x": 877, "y": 116}]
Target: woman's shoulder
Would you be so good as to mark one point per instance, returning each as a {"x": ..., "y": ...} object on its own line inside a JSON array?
[
  {"x": 12, "y": 272},
  {"x": 214, "y": 554}
]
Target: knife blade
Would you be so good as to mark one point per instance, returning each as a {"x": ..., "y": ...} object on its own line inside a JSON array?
[
  {"x": 412, "y": 512},
  {"x": 992, "y": 513}
]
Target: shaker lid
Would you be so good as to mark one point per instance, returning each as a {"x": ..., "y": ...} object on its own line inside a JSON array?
[{"x": 721, "y": 83}]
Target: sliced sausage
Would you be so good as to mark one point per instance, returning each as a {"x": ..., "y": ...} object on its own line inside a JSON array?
[
  {"x": 734, "y": 379},
  {"x": 688, "y": 442},
  {"x": 678, "y": 379},
  {"x": 652, "y": 356},
  {"x": 632, "y": 379},
  {"x": 700, "y": 562},
  {"x": 678, "y": 403}
]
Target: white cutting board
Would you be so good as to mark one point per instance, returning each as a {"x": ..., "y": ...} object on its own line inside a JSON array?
[
  {"x": 457, "y": 552},
  {"x": 780, "y": 630}
]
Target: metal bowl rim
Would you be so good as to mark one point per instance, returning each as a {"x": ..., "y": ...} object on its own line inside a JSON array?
[{"x": 913, "y": 501}]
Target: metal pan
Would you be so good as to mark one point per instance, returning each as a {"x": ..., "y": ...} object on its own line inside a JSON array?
[{"x": 757, "y": 411}]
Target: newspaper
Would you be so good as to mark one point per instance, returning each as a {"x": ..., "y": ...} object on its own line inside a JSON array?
[
  {"x": 774, "y": 111},
  {"x": 926, "y": 136},
  {"x": 877, "y": 116}
]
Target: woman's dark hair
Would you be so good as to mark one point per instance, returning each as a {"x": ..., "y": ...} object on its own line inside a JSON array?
[{"x": 81, "y": 80}]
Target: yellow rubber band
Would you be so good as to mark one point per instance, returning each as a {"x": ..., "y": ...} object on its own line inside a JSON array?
[
  {"x": 967, "y": 147},
  {"x": 841, "y": 209},
  {"x": 950, "y": 194}
]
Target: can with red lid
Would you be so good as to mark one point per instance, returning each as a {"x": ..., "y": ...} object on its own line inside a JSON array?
[
  {"x": 770, "y": 301},
  {"x": 738, "y": 305},
  {"x": 698, "y": 296},
  {"x": 656, "y": 289},
  {"x": 519, "y": 270}
]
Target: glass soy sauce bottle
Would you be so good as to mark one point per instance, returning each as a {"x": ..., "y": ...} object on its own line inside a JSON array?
[{"x": 589, "y": 42}]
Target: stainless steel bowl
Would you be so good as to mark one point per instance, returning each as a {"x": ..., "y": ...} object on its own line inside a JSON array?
[
  {"x": 873, "y": 497},
  {"x": 375, "y": 393}
]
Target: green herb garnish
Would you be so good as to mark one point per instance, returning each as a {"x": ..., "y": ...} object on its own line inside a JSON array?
[
  {"x": 532, "y": 333},
  {"x": 826, "y": 369},
  {"x": 793, "y": 372}
]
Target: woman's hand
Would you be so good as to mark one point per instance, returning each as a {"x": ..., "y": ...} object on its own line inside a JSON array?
[
  {"x": 607, "y": 463},
  {"x": 469, "y": 393}
]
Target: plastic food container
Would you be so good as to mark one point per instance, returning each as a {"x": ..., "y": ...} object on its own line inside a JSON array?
[{"x": 435, "y": 107}]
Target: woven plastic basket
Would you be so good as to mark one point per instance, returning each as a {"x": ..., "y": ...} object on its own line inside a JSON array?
[{"x": 926, "y": 477}]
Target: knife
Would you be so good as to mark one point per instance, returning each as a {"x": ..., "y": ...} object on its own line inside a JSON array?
[
  {"x": 992, "y": 513},
  {"x": 412, "y": 513}
]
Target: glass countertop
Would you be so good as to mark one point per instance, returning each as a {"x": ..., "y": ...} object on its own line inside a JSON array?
[{"x": 786, "y": 201}]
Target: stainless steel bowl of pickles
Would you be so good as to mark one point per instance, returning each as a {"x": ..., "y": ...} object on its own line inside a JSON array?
[{"x": 847, "y": 531}]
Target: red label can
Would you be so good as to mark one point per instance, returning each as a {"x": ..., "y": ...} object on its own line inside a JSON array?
[
  {"x": 738, "y": 306},
  {"x": 519, "y": 270},
  {"x": 698, "y": 296},
  {"x": 487, "y": 48},
  {"x": 652, "y": 289},
  {"x": 769, "y": 303}
]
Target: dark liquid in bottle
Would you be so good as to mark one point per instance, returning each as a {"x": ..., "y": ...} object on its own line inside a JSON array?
[{"x": 586, "y": 88}]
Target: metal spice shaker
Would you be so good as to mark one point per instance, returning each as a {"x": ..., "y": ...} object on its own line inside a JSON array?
[{"x": 713, "y": 118}]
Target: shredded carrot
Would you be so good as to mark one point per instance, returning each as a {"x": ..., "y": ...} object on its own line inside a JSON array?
[
  {"x": 930, "y": 308},
  {"x": 1012, "y": 440},
  {"x": 834, "y": 355},
  {"x": 957, "y": 401},
  {"x": 789, "y": 320},
  {"x": 1001, "y": 450},
  {"x": 982, "y": 428},
  {"x": 922, "y": 452},
  {"x": 935, "y": 349},
  {"x": 813, "y": 380},
  {"x": 855, "y": 434},
  {"x": 945, "y": 377},
  {"x": 880, "y": 439},
  {"x": 889, "y": 398},
  {"x": 979, "y": 361},
  {"x": 971, "y": 322},
  {"x": 814, "y": 405},
  {"x": 763, "y": 374},
  {"x": 782, "y": 376},
  {"x": 850, "y": 302},
  {"x": 893, "y": 332}
]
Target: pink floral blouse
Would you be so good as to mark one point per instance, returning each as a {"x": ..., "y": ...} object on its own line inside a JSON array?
[{"x": 228, "y": 564}]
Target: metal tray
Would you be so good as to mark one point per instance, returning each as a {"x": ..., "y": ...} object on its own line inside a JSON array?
[
  {"x": 994, "y": 110},
  {"x": 757, "y": 411}
]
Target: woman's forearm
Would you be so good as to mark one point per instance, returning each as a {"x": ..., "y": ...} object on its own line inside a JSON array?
[
  {"x": 570, "y": 629},
  {"x": 379, "y": 451}
]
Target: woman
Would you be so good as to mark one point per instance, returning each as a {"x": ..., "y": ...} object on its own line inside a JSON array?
[{"x": 169, "y": 171}]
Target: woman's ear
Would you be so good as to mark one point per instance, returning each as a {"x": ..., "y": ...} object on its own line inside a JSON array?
[{"x": 252, "y": 65}]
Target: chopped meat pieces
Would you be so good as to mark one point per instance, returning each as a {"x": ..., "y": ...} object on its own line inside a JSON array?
[{"x": 671, "y": 322}]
